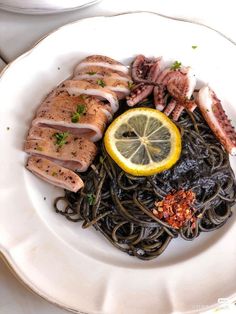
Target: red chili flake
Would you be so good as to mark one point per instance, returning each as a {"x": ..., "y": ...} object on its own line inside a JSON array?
[{"x": 176, "y": 209}]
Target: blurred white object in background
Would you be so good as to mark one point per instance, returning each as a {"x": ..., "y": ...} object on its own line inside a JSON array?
[
  {"x": 44, "y": 6},
  {"x": 2, "y": 64}
]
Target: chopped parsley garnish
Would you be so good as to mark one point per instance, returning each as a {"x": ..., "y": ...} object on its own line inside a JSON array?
[
  {"x": 91, "y": 73},
  {"x": 61, "y": 138},
  {"x": 176, "y": 65},
  {"x": 90, "y": 198},
  {"x": 194, "y": 47},
  {"x": 130, "y": 85},
  {"x": 101, "y": 83},
  {"x": 81, "y": 109}
]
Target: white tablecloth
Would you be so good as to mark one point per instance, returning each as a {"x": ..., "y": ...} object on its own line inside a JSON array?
[{"x": 19, "y": 32}]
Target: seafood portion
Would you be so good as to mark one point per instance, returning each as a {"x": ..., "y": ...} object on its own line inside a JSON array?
[
  {"x": 54, "y": 174},
  {"x": 76, "y": 88},
  {"x": 144, "y": 73},
  {"x": 180, "y": 84},
  {"x": 114, "y": 84},
  {"x": 139, "y": 93},
  {"x": 177, "y": 83},
  {"x": 214, "y": 114},
  {"x": 75, "y": 153},
  {"x": 101, "y": 61},
  {"x": 146, "y": 70},
  {"x": 173, "y": 90},
  {"x": 74, "y": 116},
  {"x": 106, "y": 73},
  {"x": 91, "y": 72},
  {"x": 77, "y": 114}
]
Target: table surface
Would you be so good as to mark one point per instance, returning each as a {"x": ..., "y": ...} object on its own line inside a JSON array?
[{"x": 15, "y": 39}]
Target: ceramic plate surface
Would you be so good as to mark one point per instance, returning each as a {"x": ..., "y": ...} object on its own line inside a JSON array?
[
  {"x": 44, "y": 6},
  {"x": 78, "y": 269}
]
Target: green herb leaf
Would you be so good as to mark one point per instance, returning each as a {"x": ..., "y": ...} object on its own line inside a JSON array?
[
  {"x": 81, "y": 109},
  {"x": 91, "y": 73},
  {"x": 101, "y": 83},
  {"x": 61, "y": 138},
  {"x": 90, "y": 198},
  {"x": 130, "y": 85},
  {"x": 75, "y": 117},
  {"x": 176, "y": 65},
  {"x": 194, "y": 47}
]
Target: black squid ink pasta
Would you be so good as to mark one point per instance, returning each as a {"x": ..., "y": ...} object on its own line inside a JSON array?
[{"x": 120, "y": 205}]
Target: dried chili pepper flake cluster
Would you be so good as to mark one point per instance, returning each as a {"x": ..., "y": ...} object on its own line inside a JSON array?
[{"x": 176, "y": 209}]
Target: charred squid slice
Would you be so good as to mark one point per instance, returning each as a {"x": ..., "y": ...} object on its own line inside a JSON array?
[
  {"x": 54, "y": 174},
  {"x": 101, "y": 61}
]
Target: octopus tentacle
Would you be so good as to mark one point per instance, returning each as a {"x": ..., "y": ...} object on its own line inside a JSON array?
[
  {"x": 159, "y": 97},
  {"x": 190, "y": 105},
  {"x": 155, "y": 70},
  {"x": 144, "y": 72},
  {"x": 139, "y": 93},
  {"x": 214, "y": 114},
  {"x": 180, "y": 91},
  {"x": 177, "y": 111},
  {"x": 180, "y": 85},
  {"x": 170, "y": 107}
]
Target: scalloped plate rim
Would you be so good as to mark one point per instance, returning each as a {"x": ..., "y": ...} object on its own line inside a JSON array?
[{"x": 7, "y": 256}]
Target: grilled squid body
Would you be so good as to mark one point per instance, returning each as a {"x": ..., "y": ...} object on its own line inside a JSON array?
[
  {"x": 101, "y": 61},
  {"x": 98, "y": 84},
  {"x": 115, "y": 81},
  {"x": 78, "y": 87},
  {"x": 214, "y": 114},
  {"x": 121, "y": 88},
  {"x": 90, "y": 72},
  {"x": 76, "y": 154},
  {"x": 53, "y": 173},
  {"x": 57, "y": 109}
]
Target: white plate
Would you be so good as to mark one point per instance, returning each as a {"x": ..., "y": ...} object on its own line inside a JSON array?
[
  {"x": 44, "y": 6},
  {"x": 78, "y": 269}
]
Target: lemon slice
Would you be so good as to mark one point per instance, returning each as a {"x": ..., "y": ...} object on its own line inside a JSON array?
[{"x": 143, "y": 141}]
